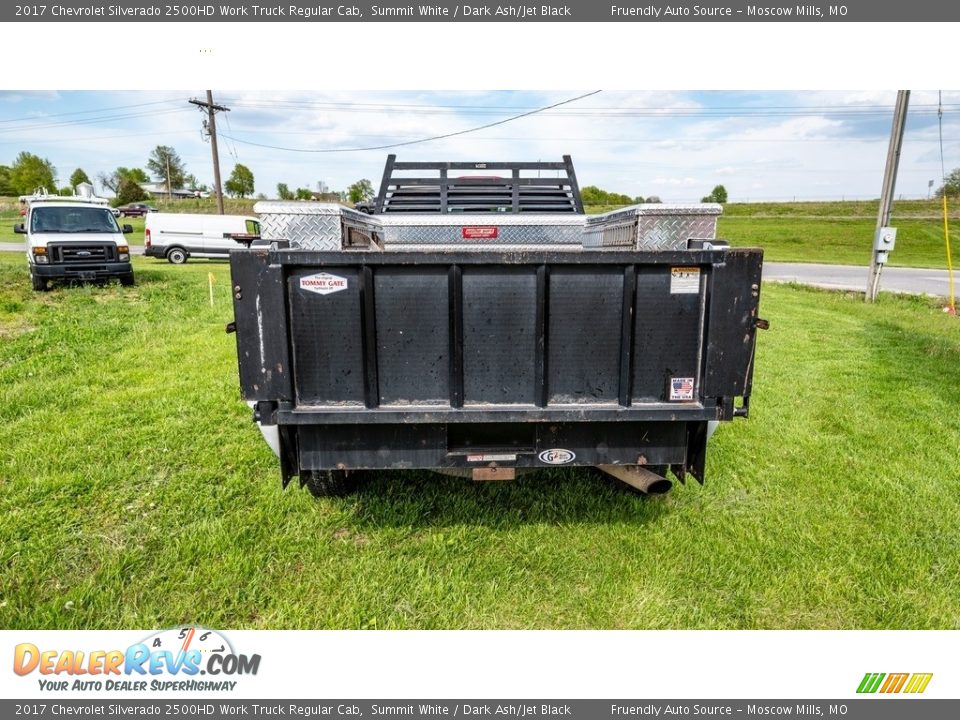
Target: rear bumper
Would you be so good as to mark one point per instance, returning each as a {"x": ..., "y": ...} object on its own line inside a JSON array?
[
  {"x": 157, "y": 251},
  {"x": 97, "y": 271}
]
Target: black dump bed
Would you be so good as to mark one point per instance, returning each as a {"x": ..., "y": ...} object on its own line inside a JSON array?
[{"x": 409, "y": 360}]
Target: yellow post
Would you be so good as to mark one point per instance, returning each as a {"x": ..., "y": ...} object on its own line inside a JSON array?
[
  {"x": 952, "y": 307},
  {"x": 210, "y": 281}
]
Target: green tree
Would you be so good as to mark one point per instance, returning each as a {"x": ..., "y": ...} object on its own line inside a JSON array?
[
  {"x": 30, "y": 172},
  {"x": 361, "y": 190},
  {"x": 5, "y": 187},
  {"x": 130, "y": 191},
  {"x": 284, "y": 192},
  {"x": 240, "y": 183},
  {"x": 165, "y": 163},
  {"x": 78, "y": 177},
  {"x": 952, "y": 184},
  {"x": 192, "y": 183},
  {"x": 717, "y": 195},
  {"x": 304, "y": 194},
  {"x": 111, "y": 181},
  {"x": 592, "y": 195}
]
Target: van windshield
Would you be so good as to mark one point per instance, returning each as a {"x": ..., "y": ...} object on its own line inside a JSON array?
[{"x": 80, "y": 219}]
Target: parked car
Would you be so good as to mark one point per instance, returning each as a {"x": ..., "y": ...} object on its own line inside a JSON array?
[
  {"x": 135, "y": 210},
  {"x": 179, "y": 236}
]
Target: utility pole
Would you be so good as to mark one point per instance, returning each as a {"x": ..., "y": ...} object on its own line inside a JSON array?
[
  {"x": 168, "y": 178},
  {"x": 882, "y": 239},
  {"x": 211, "y": 123}
]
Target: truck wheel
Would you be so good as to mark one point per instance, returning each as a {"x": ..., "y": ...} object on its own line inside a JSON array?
[
  {"x": 39, "y": 283},
  {"x": 330, "y": 483},
  {"x": 127, "y": 280},
  {"x": 178, "y": 256}
]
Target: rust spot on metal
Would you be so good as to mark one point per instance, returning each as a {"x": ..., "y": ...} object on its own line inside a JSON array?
[{"x": 492, "y": 472}]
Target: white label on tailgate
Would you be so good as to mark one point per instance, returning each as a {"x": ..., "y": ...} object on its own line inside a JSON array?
[
  {"x": 681, "y": 388},
  {"x": 684, "y": 280},
  {"x": 493, "y": 457},
  {"x": 323, "y": 283}
]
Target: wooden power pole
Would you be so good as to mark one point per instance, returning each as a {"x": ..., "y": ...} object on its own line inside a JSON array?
[
  {"x": 211, "y": 123},
  {"x": 882, "y": 239}
]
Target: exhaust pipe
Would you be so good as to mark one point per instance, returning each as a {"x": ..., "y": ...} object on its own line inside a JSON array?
[{"x": 639, "y": 478}]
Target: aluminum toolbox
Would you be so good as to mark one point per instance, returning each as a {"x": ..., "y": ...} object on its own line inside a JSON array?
[
  {"x": 652, "y": 226},
  {"x": 328, "y": 226}
]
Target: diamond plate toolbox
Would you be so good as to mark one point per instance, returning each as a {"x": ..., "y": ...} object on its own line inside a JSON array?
[
  {"x": 328, "y": 226},
  {"x": 652, "y": 226},
  {"x": 318, "y": 226}
]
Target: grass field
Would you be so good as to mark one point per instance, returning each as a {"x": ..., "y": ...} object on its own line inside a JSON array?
[
  {"x": 135, "y": 491},
  {"x": 837, "y": 232}
]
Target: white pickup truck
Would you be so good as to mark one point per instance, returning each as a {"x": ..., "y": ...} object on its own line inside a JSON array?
[{"x": 73, "y": 238}]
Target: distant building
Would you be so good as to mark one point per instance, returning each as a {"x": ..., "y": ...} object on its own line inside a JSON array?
[{"x": 159, "y": 190}]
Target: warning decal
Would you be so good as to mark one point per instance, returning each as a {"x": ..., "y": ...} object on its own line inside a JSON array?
[
  {"x": 681, "y": 388},
  {"x": 684, "y": 280},
  {"x": 480, "y": 232},
  {"x": 323, "y": 283}
]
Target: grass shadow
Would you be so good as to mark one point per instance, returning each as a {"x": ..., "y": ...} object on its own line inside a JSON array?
[{"x": 423, "y": 499}]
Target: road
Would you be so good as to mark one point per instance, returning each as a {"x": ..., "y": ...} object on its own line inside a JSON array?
[{"x": 914, "y": 281}]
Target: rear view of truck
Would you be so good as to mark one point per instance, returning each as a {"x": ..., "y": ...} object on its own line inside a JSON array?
[{"x": 479, "y": 324}]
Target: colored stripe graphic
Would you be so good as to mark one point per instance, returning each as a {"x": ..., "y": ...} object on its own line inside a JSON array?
[
  {"x": 894, "y": 682},
  {"x": 918, "y": 682},
  {"x": 870, "y": 682}
]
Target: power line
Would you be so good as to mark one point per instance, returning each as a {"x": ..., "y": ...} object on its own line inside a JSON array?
[
  {"x": 90, "y": 121},
  {"x": 87, "y": 112},
  {"x": 744, "y": 108},
  {"x": 421, "y": 140}
]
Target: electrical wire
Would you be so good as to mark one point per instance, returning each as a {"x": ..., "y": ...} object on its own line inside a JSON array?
[
  {"x": 232, "y": 148},
  {"x": 421, "y": 140},
  {"x": 90, "y": 121},
  {"x": 87, "y": 112}
]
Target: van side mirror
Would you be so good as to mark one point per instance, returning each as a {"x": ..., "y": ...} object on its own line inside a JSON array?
[
  {"x": 20, "y": 229},
  {"x": 127, "y": 229}
]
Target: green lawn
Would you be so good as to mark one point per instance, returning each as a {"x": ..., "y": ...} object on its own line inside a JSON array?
[
  {"x": 838, "y": 233},
  {"x": 135, "y": 491}
]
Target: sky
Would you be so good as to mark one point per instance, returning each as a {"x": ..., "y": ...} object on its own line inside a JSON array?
[{"x": 810, "y": 145}]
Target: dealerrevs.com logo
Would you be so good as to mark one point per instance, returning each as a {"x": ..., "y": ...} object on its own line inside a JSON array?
[{"x": 168, "y": 660}]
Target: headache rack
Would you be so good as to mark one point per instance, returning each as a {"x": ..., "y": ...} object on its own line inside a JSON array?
[{"x": 478, "y": 187}]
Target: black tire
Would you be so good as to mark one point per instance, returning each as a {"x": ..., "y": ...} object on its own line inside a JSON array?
[
  {"x": 330, "y": 483},
  {"x": 39, "y": 283},
  {"x": 177, "y": 255},
  {"x": 127, "y": 280}
]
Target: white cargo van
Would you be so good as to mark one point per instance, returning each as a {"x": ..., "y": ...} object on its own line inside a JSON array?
[
  {"x": 179, "y": 236},
  {"x": 73, "y": 238}
]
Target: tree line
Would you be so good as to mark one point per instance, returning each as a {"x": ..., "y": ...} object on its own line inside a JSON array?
[{"x": 30, "y": 172}]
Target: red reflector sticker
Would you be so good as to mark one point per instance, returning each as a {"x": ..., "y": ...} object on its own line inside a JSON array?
[{"x": 480, "y": 232}]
